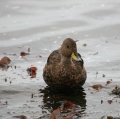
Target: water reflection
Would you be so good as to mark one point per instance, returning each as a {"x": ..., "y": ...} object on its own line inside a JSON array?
[{"x": 54, "y": 100}]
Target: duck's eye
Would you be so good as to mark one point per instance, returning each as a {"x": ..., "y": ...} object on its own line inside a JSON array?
[{"x": 68, "y": 46}]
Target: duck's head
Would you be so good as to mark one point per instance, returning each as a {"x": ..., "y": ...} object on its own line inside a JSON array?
[{"x": 69, "y": 49}]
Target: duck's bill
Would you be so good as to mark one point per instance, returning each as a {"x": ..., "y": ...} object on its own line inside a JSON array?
[{"x": 76, "y": 57}]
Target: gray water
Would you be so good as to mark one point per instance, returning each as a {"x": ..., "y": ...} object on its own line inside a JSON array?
[{"x": 42, "y": 26}]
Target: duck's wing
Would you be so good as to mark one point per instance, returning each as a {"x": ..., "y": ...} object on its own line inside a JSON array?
[{"x": 54, "y": 58}]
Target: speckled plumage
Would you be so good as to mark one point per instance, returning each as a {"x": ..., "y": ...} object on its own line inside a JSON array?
[{"x": 61, "y": 72}]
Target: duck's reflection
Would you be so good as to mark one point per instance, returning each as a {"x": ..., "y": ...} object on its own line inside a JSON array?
[{"x": 54, "y": 100}]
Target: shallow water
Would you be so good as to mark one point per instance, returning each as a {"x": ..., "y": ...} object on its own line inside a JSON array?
[{"x": 42, "y": 26}]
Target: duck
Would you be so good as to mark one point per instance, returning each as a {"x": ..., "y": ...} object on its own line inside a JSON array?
[{"x": 64, "y": 70}]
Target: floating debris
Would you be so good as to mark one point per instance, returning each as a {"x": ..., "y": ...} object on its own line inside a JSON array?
[
  {"x": 4, "y": 63},
  {"x": 95, "y": 53},
  {"x": 97, "y": 86},
  {"x": 20, "y": 117},
  {"x": 116, "y": 91},
  {"x": 13, "y": 54},
  {"x": 5, "y": 60},
  {"x": 108, "y": 82},
  {"x": 15, "y": 67},
  {"x": 5, "y": 79},
  {"x": 68, "y": 104},
  {"x": 84, "y": 44},
  {"x": 96, "y": 74},
  {"x": 6, "y": 102},
  {"x": 116, "y": 87},
  {"x": 24, "y": 54},
  {"x": 39, "y": 56},
  {"x": 5, "y": 53},
  {"x": 67, "y": 111},
  {"x": 52, "y": 117},
  {"x": 28, "y": 50},
  {"x": 103, "y": 75},
  {"x": 32, "y": 71},
  {"x": 109, "y": 101},
  {"x": 32, "y": 95},
  {"x": 101, "y": 101}
]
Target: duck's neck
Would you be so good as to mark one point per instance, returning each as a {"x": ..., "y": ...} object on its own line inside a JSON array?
[{"x": 65, "y": 60}]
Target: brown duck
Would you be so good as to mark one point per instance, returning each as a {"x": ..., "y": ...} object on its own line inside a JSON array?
[{"x": 64, "y": 70}]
